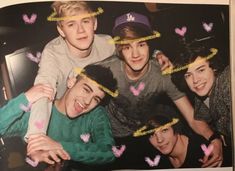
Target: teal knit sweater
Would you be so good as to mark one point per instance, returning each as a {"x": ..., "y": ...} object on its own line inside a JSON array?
[{"x": 98, "y": 150}]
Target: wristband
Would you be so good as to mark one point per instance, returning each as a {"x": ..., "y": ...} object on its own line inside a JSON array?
[{"x": 214, "y": 136}]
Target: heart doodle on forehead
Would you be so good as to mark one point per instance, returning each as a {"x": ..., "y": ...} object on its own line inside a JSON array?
[
  {"x": 153, "y": 162},
  {"x": 181, "y": 31},
  {"x": 137, "y": 91},
  {"x": 207, "y": 150},
  {"x": 33, "y": 58},
  {"x": 29, "y": 20},
  {"x": 39, "y": 124},
  {"x": 118, "y": 152},
  {"x": 207, "y": 27},
  {"x": 85, "y": 137}
]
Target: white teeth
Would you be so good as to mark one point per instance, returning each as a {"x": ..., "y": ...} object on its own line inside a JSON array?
[
  {"x": 80, "y": 104},
  {"x": 199, "y": 86}
]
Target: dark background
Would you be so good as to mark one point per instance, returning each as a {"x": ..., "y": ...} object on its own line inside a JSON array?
[{"x": 17, "y": 38}]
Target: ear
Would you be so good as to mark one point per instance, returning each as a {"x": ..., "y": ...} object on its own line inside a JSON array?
[
  {"x": 71, "y": 82},
  {"x": 60, "y": 31},
  {"x": 95, "y": 24}
]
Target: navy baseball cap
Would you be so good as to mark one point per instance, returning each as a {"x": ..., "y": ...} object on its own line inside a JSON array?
[{"x": 133, "y": 19}]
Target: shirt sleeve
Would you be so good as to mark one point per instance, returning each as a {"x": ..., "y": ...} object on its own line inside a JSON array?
[
  {"x": 171, "y": 90},
  {"x": 99, "y": 149},
  {"x": 11, "y": 112},
  {"x": 47, "y": 74}
]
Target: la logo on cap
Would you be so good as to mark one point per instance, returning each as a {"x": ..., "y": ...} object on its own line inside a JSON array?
[{"x": 130, "y": 17}]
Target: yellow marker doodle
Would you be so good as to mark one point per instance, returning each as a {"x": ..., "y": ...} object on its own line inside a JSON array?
[
  {"x": 170, "y": 70},
  {"x": 53, "y": 18},
  {"x": 115, "y": 39},
  {"x": 142, "y": 131},
  {"x": 80, "y": 72}
]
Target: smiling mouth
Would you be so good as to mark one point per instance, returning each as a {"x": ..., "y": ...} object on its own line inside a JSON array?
[
  {"x": 82, "y": 38},
  {"x": 78, "y": 107},
  {"x": 200, "y": 86},
  {"x": 137, "y": 61},
  {"x": 162, "y": 147}
]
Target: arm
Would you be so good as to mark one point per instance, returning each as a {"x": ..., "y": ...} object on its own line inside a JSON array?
[
  {"x": 203, "y": 129},
  {"x": 12, "y": 110},
  {"x": 47, "y": 74},
  {"x": 98, "y": 150},
  {"x": 187, "y": 110}
]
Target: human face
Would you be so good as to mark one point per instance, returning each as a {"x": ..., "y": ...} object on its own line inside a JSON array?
[
  {"x": 200, "y": 77},
  {"x": 84, "y": 96},
  {"x": 78, "y": 32},
  {"x": 136, "y": 56},
  {"x": 164, "y": 140}
]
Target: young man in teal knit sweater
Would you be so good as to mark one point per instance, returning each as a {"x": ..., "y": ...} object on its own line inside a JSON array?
[{"x": 79, "y": 129}]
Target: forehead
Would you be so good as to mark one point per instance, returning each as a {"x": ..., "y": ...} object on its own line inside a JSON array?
[
  {"x": 199, "y": 61},
  {"x": 85, "y": 81},
  {"x": 76, "y": 15},
  {"x": 162, "y": 127}
]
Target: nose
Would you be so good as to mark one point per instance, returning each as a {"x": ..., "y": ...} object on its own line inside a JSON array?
[
  {"x": 159, "y": 137},
  {"x": 196, "y": 78},
  {"x": 135, "y": 52},
  {"x": 87, "y": 100},
  {"x": 80, "y": 28}
]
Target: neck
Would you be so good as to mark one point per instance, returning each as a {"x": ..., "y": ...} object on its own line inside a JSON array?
[
  {"x": 77, "y": 52},
  {"x": 178, "y": 155},
  {"x": 60, "y": 104},
  {"x": 135, "y": 75}
]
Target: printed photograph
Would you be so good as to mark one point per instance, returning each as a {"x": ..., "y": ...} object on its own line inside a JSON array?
[{"x": 112, "y": 85}]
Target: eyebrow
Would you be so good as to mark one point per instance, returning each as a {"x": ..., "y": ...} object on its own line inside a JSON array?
[
  {"x": 86, "y": 85},
  {"x": 198, "y": 68},
  {"x": 92, "y": 90}
]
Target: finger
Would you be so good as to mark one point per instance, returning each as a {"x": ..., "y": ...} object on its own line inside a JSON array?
[
  {"x": 49, "y": 161},
  {"x": 215, "y": 164},
  {"x": 170, "y": 64},
  {"x": 164, "y": 66},
  {"x": 54, "y": 156},
  {"x": 63, "y": 154},
  {"x": 160, "y": 61},
  {"x": 36, "y": 147},
  {"x": 211, "y": 161}
]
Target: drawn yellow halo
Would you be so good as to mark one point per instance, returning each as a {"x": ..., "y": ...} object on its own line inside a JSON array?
[
  {"x": 80, "y": 72},
  {"x": 116, "y": 40},
  {"x": 53, "y": 18},
  {"x": 143, "y": 130},
  {"x": 213, "y": 51}
]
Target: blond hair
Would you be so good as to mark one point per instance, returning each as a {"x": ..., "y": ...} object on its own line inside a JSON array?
[{"x": 66, "y": 8}]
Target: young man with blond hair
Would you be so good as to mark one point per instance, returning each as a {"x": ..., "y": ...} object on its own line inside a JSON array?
[{"x": 77, "y": 46}]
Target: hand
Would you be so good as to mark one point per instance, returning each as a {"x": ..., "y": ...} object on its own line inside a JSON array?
[
  {"x": 38, "y": 91},
  {"x": 50, "y": 156},
  {"x": 38, "y": 142},
  {"x": 41, "y": 156},
  {"x": 163, "y": 61},
  {"x": 215, "y": 159}
]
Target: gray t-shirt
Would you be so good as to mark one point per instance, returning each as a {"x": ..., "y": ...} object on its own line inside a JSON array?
[{"x": 127, "y": 111}]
